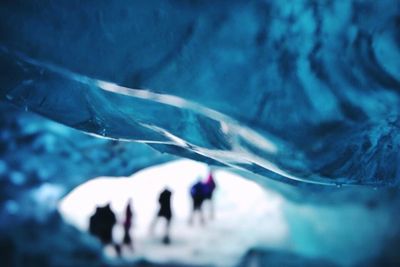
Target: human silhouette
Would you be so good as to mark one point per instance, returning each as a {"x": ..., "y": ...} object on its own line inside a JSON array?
[
  {"x": 101, "y": 224},
  {"x": 127, "y": 225},
  {"x": 197, "y": 194},
  {"x": 164, "y": 212},
  {"x": 209, "y": 188}
]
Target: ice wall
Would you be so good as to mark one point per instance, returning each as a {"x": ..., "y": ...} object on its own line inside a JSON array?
[
  {"x": 41, "y": 161},
  {"x": 302, "y": 91}
]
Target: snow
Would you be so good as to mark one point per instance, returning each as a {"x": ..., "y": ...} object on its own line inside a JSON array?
[{"x": 246, "y": 214}]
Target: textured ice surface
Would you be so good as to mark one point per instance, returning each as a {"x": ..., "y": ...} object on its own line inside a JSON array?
[
  {"x": 303, "y": 91},
  {"x": 41, "y": 161}
]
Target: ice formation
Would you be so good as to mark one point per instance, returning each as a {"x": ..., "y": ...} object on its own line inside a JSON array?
[
  {"x": 297, "y": 92},
  {"x": 302, "y": 92}
]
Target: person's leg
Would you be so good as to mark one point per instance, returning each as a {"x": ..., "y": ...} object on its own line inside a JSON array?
[
  {"x": 191, "y": 218},
  {"x": 127, "y": 238},
  {"x": 212, "y": 208},
  {"x": 166, "y": 239},
  {"x": 117, "y": 248},
  {"x": 168, "y": 226},
  {"x": 201, "y": 215},
  {"x": 107, "y": 239},
  {"x": 153, "y": 225}
]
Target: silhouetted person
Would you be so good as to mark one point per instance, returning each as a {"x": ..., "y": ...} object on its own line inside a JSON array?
[
  {"x": 197, "y": 194},
  {"x": 209, "y": 188},
  {"x": 165, "y": 211},
  {"x": 127, "y": 225},
  {"x": 101, "y": 224}
]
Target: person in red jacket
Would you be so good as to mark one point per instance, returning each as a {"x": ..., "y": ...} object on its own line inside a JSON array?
[
  {"x": 128, "y": 224},
  {"x": 209, "y": 188}
]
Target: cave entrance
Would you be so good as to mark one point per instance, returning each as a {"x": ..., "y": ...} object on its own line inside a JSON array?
[{"x": 246, "y": 215}]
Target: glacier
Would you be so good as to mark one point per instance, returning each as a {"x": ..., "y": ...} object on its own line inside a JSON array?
[
  {"x": 300, "y": 92},
  {"x": 301, "y": 97}
]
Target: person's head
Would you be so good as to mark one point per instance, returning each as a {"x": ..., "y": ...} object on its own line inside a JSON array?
[
  {"x": 167, "y": 189},
  {"x": 210, "y": 174},
  {"x": 108, "y": 206}
]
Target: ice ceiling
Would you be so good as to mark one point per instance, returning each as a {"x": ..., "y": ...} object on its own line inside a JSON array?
[{"x": 306, "y": 91}]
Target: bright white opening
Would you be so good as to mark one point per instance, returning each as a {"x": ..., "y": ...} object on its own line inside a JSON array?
[{"x": 246, "y": 214}]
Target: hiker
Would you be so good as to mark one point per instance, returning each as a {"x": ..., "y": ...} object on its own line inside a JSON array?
[
  {"x": 209, "y": 188},
  {"x": 197, "y": 194},
  {"x": 164, "y": 212},
  {"x": 127, "y": 225},
  {"x": 101, "y": 225}
]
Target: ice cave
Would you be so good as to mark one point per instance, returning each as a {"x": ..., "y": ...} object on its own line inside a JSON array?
[{"x": 294, "y": 106}]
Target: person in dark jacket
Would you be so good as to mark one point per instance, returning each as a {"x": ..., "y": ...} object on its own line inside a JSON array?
[
  {"x": 197, "y": 193},
  {"x": 101, "y": 225},
  {"x": 164, "y": 212}
]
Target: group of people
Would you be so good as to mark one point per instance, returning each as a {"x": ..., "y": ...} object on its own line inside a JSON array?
[
  {"x": 103, "y": 220},
  {"x": 201, "y": 192}
]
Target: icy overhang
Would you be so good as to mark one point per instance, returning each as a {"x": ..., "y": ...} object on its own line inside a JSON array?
[{"x": 298, "y": 93}]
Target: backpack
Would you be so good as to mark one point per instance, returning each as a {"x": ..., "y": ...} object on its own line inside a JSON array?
[{"x": 197, "y": 190}]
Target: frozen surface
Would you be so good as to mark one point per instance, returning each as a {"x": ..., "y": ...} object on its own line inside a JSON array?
[{"x": 303, "y": 91}]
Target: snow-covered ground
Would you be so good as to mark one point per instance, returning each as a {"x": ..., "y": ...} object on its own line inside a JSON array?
[{"x": 246, "y": 215}]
